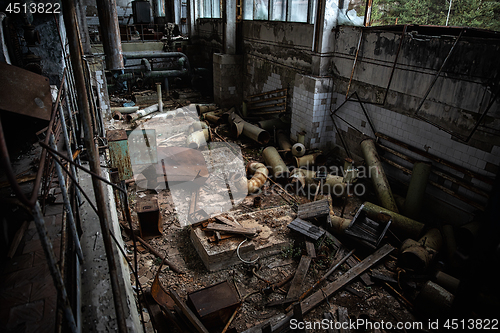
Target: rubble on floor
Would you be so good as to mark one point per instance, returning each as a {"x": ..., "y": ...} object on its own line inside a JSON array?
[{"x": 300, "y": 245}]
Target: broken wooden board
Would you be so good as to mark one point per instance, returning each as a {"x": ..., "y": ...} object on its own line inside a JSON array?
[
  {"x": 306, "y": 228},
  {"x": 311, "y": 251},
  {"x": 315, "y": 209},
  {"x": 231, "y": 229},
  {"x": 312, "y": 301},
  {"x": 24, "y": 92},
  {"x": 227, "y": 221},
  {"x": 269, "y": 241},
  {"x": 300, "y": 274}
]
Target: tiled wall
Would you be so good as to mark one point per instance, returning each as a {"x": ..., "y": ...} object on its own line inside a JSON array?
[{"x": 227, "y": 80}]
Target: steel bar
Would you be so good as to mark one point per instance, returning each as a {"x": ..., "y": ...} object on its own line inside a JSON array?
[
  {"x": 439, "y": 72},
  {"x": 54, "y": 270},
  {"x": 67, "y": 204},
  {"x": 69, "y": 15},
  {"x": 365, "y": 113},
  {"x": 68, "y": 147},
  {"x": 341, "y": 137},
  {"x": 354, "y": 64}
]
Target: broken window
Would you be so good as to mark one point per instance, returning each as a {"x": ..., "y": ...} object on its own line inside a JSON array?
[
  {"x": 209, "y": 8},
  {"x": 298, "y": 11},
  {"x": 278, "y": 10}
]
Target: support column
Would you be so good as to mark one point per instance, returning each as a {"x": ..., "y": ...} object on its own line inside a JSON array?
[
  {"x": 110, "y": 31},
  {"x": 327, "y": 12},
  {"x": 83, "y": 27},
  {"x": 191, "y": 9},
  {"x": 230, "y": 28}
]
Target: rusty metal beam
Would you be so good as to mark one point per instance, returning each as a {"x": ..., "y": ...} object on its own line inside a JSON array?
[{"x": 71, "y": 24}]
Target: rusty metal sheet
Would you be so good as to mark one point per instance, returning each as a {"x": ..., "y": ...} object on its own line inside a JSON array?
[
  {"x": 24, "y": 92},
  {"x": 215, "y": 304},
  {"x": 182, "y": 165},
  {"x": 119, "y": 153}
]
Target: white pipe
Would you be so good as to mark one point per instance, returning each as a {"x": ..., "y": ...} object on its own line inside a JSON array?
[{"x": 5, "y": 51}]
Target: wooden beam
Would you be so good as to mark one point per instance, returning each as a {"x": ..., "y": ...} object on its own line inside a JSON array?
[
  {"x": 232, "y": 230},
  {"x": 312, "y": 301},
  {"x": 300, "y": 274}
]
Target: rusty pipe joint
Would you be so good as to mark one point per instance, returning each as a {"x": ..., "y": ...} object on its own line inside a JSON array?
[
  {"x": 418, "y": 255},
  {"x": 259, "y": 172}
]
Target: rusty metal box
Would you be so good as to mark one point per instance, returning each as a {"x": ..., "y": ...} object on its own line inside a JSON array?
[
  {"x": 214, "y": 305},
  {"x": 149, "y": 216}
]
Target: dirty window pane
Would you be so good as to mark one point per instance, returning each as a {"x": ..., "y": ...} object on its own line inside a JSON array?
[
  {"x": 207, "y": 8},
  {"x": 248, "y": 9},
  {"x": 298, "y": 10},
  {"x": 261, "y": 10},
  {"x": 216, "y": 9},
  {"x": 279, "y": 10}
]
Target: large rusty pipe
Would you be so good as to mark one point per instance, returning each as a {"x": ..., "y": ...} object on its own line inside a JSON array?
[
  {"x": 334, "y": 185},
  {"x": 274, "y": 160},
  {"x": 338, "y": 224},
  {"x": 283, "y": 141},
  {"x": 447, "y": 281},
  {"x": 416, "y": 190},
  {"x": 298, "y": 149},
  {"x": 310, "y": 160},
  {"x": 377, "y": 174},
  {"x": 270, "y": 124},
  {"x": 201, "y": 109},
  {"x": 400, "y": 224},
  {"x": 434, "y": 300},
  {"x": 237, "y": 124},
  {"x": 69, "y": 16},
  {"x": 302, "y": 178},
  {"x": 110, "y": 32},
  {"x": 260, "y": 173},
  {"x": 197, "y": 139},
  {"x": 418, "y": 255},
  {"x": 256, "y": 133}
]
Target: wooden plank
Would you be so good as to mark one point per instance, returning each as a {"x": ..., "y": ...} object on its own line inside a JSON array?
[
  {"x": 312, "y": 301},
  {"x": 343, "y": 318},
  {"x": 266, "y": 106},
  {"x": 331, "y": 328},
  {"x": 352, "y": 262},
  {"x": 298, "y": 280},
  {"x": 228, "y": 221},
  {"x": 311, "y": 251},
  {"x": 188, "y": 313},
  {"x": 320, "y": 208},
  {"x": 232, "y": 230},
  {"x": 306, "y": 228}
]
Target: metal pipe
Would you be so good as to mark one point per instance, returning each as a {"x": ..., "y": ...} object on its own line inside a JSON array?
[
  {"x": 377, "y": 174},
  {"x": 153, "y": 74},
  {"x": 213, "y": 117},
  {"x": 298, "y": 149},
  {"x": 416, "y": 191},
  {"x": 259, "y": 172},
  {"x": 71, "y": 25},
  {"x": 201, "y": 109},
  {"x": 283, "y": 141},
  {"x": 302, "y": 178},
  {"x": 439, "y": 72},
  {"x": 270, "y": 124},
  {"x": 394, "y": 64},
  {"x": 54, "y": 270},
  {"x": 447, "y": 281},
  {"x": 256, "y": 133},
  {"x": 434, "y": 300},
  {"x": 67, "y": 204},
  {"x": 111, "y": 41},
  {"x": 160, "y": 101},
  {"x": 338, "y": 224},
  {"x": 400, "y": 224},
  {"x": 236, "y": 123},
  {"x": 124, "y": 109},
  {"x": 274, "y": 160},
  {"x": 354, "y": 64},
  {"x": 418, "y": 255},
  {"x": 310, "y": 160},
  {"x": 332, "y": 185},
  {"x": 197, "y": 139}
]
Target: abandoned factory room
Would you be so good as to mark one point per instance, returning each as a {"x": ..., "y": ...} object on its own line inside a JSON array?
[{"x": 249, "y": 166}]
